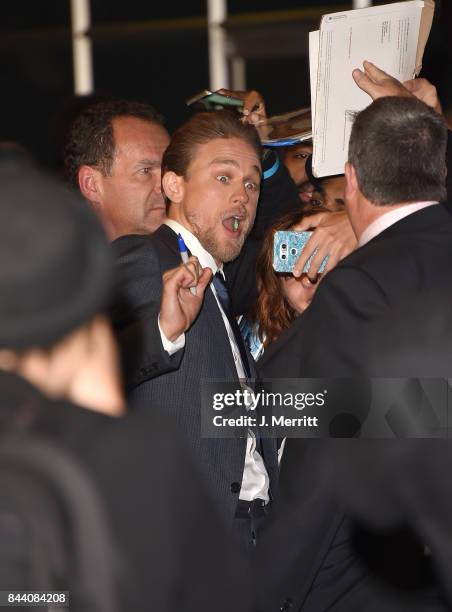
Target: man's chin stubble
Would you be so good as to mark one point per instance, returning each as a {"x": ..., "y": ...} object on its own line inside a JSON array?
[{"x": 225, "y": 254}]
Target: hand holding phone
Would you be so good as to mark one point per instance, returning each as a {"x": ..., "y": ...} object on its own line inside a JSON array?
[
  {"x": 288, "y": 247},
  {"x": 213, "y": 100}
]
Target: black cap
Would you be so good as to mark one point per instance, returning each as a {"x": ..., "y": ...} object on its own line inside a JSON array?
[{"x": 55, "y": 261}]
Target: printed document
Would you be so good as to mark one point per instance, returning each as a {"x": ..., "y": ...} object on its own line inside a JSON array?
[{"x": 392, "y": 36}]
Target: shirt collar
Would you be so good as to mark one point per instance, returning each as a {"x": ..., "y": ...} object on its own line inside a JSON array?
[
  {"x": 388, "y": 219},
  {"x": 194, "y": 246}
]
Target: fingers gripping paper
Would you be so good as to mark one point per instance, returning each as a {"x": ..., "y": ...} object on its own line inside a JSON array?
[{"x": 392, "y": 36}]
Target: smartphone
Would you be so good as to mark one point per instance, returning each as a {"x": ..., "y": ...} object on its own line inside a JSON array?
[
  {"x": 213, "y": 101},
  {"x": 287, "y": 248}
]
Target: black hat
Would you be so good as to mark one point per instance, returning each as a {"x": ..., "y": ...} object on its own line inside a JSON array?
[{"x": 55, "y": 262}]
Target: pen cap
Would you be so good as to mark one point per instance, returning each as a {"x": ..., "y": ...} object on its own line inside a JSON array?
[{"x": 182, "y": 245}]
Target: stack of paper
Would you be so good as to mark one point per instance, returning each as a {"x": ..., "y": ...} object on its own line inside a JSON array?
[{"x": 392, "y": 36}]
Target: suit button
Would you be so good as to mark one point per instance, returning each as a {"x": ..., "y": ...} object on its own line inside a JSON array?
[
  {"x": 235, "y": 487},
  {"x": 286, "y": 605}
]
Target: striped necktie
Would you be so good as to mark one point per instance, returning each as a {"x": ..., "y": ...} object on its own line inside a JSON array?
[{"x": 223, "y": 296}]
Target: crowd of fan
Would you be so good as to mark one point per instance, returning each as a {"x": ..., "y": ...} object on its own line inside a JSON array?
[{"x": 106, "y": 337}]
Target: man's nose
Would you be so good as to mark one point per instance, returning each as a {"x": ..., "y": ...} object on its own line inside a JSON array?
[{"x": 241, "y": 195}]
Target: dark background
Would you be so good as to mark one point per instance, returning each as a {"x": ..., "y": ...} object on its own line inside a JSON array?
[{"x": 157, "y": 51}]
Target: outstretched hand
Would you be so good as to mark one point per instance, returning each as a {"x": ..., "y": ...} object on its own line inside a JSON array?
[
  {"x": 180, "y": 306},
  {"x": 253, "y": 110},
  {"x": 333, "y": 236},
  {"x": 378, "y": 84},
  {"x": 424, "y": 91}
]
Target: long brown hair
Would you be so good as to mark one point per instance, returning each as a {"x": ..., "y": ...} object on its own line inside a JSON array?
[{"x": 273, "y": 312}]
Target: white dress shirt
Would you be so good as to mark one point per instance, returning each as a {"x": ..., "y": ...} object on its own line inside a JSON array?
[
  {"x": 255, "y": 481},
  {"x": 388, "y": 219}
]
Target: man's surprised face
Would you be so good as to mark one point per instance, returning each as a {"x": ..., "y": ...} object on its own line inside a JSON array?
[{"x": 220, "y": 194}]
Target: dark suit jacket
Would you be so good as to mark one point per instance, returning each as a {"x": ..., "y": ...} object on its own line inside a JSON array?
[
  {"x": 361, "y": 316},
  {"x": 174, "y": 554},
  {"x": 207, "y": 355},
  {"x": 407, "y": 501}
]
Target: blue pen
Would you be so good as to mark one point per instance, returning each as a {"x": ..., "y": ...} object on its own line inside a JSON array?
[{"x": 184, "y": 256}]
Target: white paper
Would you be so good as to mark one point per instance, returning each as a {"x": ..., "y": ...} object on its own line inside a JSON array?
[
  {"x": 314, "y": 42},
  {"x": 386, "y": 36}
]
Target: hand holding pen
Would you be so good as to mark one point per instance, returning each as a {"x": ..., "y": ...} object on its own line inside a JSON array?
[
  {"x": 179, "y": 305},
  {"x": 184, "y": 256}
]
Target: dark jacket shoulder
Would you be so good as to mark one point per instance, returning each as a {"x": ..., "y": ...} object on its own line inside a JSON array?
[{"x": 140, "y": 263}]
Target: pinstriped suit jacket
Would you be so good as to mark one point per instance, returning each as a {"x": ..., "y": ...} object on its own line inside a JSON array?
[{"x": 173, "y": 383}]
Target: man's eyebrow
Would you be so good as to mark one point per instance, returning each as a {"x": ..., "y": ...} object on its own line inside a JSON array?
[
  {"x": 232, "y": 162},
  {"x": 149, "y": 162}
]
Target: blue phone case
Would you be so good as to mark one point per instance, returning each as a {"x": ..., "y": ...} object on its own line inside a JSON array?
[{"x": 287, "y": 248}]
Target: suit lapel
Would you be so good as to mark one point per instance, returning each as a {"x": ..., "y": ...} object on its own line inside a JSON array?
[{"x": 218, "y": 330}]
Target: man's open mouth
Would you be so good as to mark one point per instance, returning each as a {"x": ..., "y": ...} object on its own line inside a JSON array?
[{"x": 233, "y": 224}]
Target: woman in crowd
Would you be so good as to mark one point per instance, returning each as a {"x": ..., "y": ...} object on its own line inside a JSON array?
[{"x": 282, "y": 297}]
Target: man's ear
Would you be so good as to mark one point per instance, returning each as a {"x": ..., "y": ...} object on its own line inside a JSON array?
[
  {"x": 173, "y": 186},
  {"x": 351, "y": 181},
  {"x": 89, "y": 180}
]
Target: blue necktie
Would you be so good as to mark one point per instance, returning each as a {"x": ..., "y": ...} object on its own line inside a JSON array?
[{"x": 223, "y": 296}]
